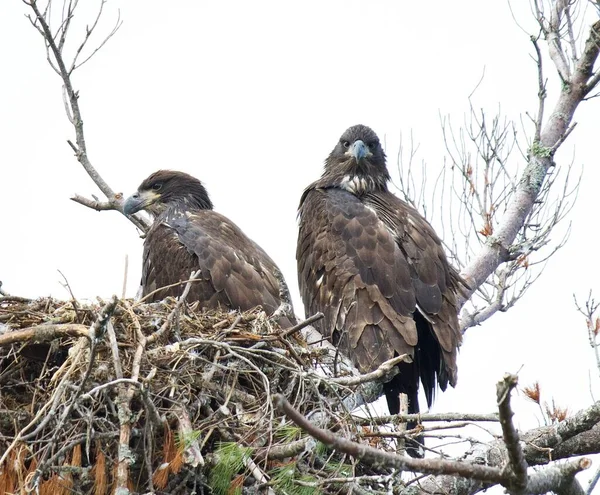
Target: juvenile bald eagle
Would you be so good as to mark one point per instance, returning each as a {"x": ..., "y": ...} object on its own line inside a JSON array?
[
  {"x": 187, "y": 235},
  {"x": 377, "y": 270}
]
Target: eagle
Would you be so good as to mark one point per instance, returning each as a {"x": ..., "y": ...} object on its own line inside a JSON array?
[
  {"x": 378, "y": 272},
  {"x": 233, "y": 272}
]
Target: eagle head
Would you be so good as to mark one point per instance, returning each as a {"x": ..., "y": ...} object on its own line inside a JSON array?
[
  {"x": 168, "y": 188},
  {"x": 357, "y": 162}
]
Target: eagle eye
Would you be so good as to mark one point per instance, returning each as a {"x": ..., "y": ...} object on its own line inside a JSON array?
[
  {"x": 157, "y": 186},
  {"x": 346, "y": 144},
  {"x": 372, "y": 144}
]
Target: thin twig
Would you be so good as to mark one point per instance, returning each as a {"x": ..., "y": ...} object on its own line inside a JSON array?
[{"x": 382, "y": 371}]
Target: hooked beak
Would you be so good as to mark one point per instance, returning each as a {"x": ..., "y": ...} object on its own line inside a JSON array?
[
  {"x": 359, "y": 150},
  {"x": 139, "y": 201}
]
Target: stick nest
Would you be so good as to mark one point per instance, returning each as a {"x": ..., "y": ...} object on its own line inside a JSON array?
[{"x": 115, "y": 395}]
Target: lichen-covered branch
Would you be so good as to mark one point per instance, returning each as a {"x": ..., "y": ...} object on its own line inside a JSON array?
[{"x": 577, "y": 84}]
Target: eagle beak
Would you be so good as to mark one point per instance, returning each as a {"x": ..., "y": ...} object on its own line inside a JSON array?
[
  {"x": 359, "y": 150},
  {"x": 138, "y": 201}
]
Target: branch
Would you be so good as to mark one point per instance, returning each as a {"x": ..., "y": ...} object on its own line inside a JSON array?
[
  {"x": 576, "y": 435},
  {"x": 405, "y": 418},
  {"x": 44, "y": 333},
  {"x": 74, "y": 114},
  {"x": 511, "y": 437},
  {"x": 559, "y": 478},
  {"x": 381, "y": 372},
  {"x": 302, "y": 324},
  {"x": 540, "y": 160},
  {"x": 379, "y": 458},
  {"x": 139, "y": 221},
  {"x": 97, "y": 330}
]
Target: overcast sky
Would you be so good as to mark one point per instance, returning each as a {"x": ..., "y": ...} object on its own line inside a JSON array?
[{"x": 251, "y": 97}]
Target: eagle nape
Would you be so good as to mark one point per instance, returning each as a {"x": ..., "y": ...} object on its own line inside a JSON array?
[{"x": 377, "y": 270}]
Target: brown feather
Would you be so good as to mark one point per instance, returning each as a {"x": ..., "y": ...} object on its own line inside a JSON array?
[
  {"x": 371, "y": 263},
  {"x": 187, "y": 235}
]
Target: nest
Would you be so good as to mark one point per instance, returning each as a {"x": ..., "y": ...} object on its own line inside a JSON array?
[{"x": 115, "y": 395}]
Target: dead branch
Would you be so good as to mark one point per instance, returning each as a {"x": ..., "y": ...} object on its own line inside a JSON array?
[
  {"x": 44, "y": 333},
  {"x": 41, "y": 22},
  {"x": 192, "y": 454},
  {"x": 382, "y": 420},
  {"x": 592, "y": 323},
  {"x": 381, "y": 372},
  {"x": 377, "y": 457},
  {"x": 309, "y": 321},
  {"x": 518, "y": 465}
]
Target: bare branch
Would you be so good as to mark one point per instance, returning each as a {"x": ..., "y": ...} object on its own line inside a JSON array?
[
  {"x": 370, "y": 455},
  {"x": 592, "y": 323},
  {"x": 423, "y": 417},
  {"x": 41, "y": 23},
  {"x": 381, "y": 372},
  {"x": 540, "y": 160},
  {"x": 44, "y": 333},
  {"x": 511, "y": 437}
]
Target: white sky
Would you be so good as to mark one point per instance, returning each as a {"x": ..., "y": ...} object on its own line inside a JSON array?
[{"x": 250, "y": 97}]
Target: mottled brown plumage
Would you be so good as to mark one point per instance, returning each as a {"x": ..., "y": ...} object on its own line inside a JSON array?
[
  {"x": 377, "y": 270},
  {"x": 187, "y": 235}
]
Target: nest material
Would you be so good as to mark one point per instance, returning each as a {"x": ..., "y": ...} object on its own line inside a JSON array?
[{"x": 161, "y": 397}]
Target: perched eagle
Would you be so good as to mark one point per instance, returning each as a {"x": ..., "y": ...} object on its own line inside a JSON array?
[
  {"x": 187, "y": 235},
  {"x": 377, "y": 270}
]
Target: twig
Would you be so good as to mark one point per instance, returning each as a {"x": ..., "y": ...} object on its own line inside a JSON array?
[
  {"x": 112, "y": 383},
  {"x": 125, "y": 273},
  {"x": 257, "y": 473},
  {"x": 114, "y": 349},
  {"x": 180, "y": 301},
  {"x": 97, "y": 330},
  {"x": 517, "y": 461},
  {"x": 384, "y": 369},
  {"x": 192, "y": 454},
  {"x": 279, "y": 452},
  {"x": 188, "y": 281},
  {"x": 303, "y": 324},
  {"x": 382, "y": 420},
  {"x": 593, "y": 482}
]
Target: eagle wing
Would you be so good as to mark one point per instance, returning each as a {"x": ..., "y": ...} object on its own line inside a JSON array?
[
  {"x": 369, "y": 264},
  {"x": 435, "y": 281},
  {"x": 234, "y": 271},
  {"x": 351, "y": 269}
]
